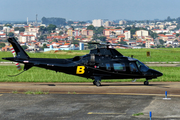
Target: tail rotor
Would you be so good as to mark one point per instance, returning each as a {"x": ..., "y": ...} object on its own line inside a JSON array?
[{"x": 17, "y": 64}]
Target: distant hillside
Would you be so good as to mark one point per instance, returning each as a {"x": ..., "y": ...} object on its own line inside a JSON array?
[{"x": 54, "y": 21}]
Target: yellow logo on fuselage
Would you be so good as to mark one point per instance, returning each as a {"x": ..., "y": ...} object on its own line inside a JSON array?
[{"x": 80, "y": 70}]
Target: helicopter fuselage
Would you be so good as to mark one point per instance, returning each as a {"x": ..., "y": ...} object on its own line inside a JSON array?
[{"x": 100, "y": 63}]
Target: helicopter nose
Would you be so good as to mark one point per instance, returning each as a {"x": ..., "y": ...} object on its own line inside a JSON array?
[{"x": 156, "y": 73}]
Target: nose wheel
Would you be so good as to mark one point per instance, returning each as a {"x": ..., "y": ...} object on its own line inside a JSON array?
[
  {"x": 97, "y": 81},
  {"x": 146, "y": 82}
]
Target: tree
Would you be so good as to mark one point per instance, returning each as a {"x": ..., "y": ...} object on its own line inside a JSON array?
[
  {"x": 118, "y": 28},
  {"x": 42, "y": 29},
  {"x": 91, "y": 27},
  {"x": 21, "y": 29},
  {"x": 175, "y": 40},
  {"x": 44, "y": 46},
  {"x": 72, "y": 27},
  {"x": 133, "y": 29},
  {"x": 102, "y": 38},
  {"x": 1, "y": 27},
  {"x": 16, "y": 29},
  {"x": 177, "y": 34},
  {"x": 161, "y": 41},
  {"x": 54, "y": 40},
  {"x": 2, "y": 45},
  {"x": 122, "y": 42},
  {"x": 99, "y": 30},
  {"x": 152, "y": 34},
  {"x": 24, "y": 47},
  {"x": 41, "y": 37},
  {"x": 10, "y": 34},
  {"x": 160, "y": 46},
  {"x": 51, "y": 27},
  {"x": 143, "y": 45},
  {"x": 95, "y": 37},
  {"x": 152, "y": 46},
  {"x": 70, "y": 22},
  {"x": 61, "y": 32},
  {"x": 8, "y": 25},
  {"x": 55, "y": 21}
]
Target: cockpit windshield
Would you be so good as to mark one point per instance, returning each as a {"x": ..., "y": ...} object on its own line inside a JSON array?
[{"x": 142, "y": 67}]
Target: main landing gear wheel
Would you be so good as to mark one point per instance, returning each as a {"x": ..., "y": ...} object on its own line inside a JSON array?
[
  {"x": 146, "y": 83},
  {"x": 97, "y": 81}
]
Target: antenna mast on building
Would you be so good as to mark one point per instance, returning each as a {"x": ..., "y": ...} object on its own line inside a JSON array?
[
  {"x": 36, "y": 19},
  {"x": 27, "y": 20}
]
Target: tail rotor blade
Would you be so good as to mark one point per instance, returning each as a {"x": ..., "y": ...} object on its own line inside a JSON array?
[{"x": 13, "y": 52}]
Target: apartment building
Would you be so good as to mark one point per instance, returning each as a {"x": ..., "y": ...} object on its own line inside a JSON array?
[
  {"x": 108, "y": 32},
  {"x": 127, "y": 35},
  {"x": 108, "y": 23},
  {"x": 97, "y": 23},
  {"x": 70, "y": 32},
  {"x": 141, "y": 33},
  {"x": 31, "y": 29},
  {"x": 88, "y": 33},
  {"x": 26, "y": 38},
  {"x": 122, "y": 22}
]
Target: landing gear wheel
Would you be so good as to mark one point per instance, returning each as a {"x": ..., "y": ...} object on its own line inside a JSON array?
[
  {"x": 146, "y": 83},
  {"x": 98, "y": 83}
]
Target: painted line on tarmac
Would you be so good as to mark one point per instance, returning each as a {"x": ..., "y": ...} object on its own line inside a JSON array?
[
  {"x": 97, "y": 113},
  {"x": 1, "y": 94},
  {"x": 169, "y": 95}
]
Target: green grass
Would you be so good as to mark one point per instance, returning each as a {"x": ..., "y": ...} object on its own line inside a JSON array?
[
  {"x": 137, "y": 114},
  {"x": 42, "y": 75},
  {"x": 38, "y": 92},
  {"x": 15, "y": 92},
  {"x": 157, "y": 55}
]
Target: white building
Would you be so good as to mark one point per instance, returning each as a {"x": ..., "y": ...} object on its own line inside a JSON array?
[
  {"x": 6, "y": 29},
  {"x": 142, "y": 33},
  {"x": 149, "y": 43},
  {"x": 26, "y": 38},
  {"x": 108, "y": 23},
  {"x": 122, "y": 22},
  {"x": 127, "y": 35},
  {"x": 97, "y": 23}
]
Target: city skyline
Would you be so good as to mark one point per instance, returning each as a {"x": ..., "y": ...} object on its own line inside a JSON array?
[{"x": 83, "y": 10}]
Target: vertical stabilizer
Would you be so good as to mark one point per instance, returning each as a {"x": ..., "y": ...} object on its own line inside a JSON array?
[{"x": 20, "y": 53}]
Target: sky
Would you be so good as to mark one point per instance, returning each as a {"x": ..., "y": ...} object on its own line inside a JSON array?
[{"x": 82, "y": 10}]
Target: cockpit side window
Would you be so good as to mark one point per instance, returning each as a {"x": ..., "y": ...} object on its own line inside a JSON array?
[
  {"x": 133, "y": 67},
  {"x": 119, "y": 67},
  {"x": 142, "y": 67}
]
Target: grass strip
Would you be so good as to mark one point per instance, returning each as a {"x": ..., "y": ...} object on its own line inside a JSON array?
[
  {"x": 137, "y": 114},
  {"x": 157, "y": 55},
  {"x": 38, "y": 92}
]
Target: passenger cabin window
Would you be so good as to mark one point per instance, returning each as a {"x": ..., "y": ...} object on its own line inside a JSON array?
[
  {"x": 133, "y": 67},
  {"x": 119, "y": 67},
  {"x": 108, "y": 67}
]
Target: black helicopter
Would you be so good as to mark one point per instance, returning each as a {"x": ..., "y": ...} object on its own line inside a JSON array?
[{"x": 100, "y": 63}]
